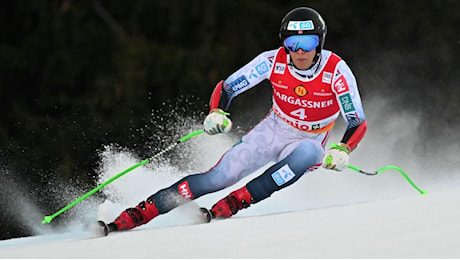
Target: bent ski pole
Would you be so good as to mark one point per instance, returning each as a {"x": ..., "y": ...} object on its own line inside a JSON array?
[
  {"x": 48, "y": 219},
  {"x": 336, "y": 146},
  {"x": 388, "y": 168}
]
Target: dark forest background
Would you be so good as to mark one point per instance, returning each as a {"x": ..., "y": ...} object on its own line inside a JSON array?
[{"x": 78, "y": 75}]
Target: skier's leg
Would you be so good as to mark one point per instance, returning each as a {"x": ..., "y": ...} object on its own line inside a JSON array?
[
  {"x": 254, "y": 151},
  {"x": 305, "y": 157}
]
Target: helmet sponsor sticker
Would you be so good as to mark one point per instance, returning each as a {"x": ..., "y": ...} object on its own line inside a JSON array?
[
  {"x": 283, "y": 175},
  {"x": 300, "y": 25}
]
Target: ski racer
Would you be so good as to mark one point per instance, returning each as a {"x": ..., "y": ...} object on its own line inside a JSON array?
[{"x": 311, "y": 87}]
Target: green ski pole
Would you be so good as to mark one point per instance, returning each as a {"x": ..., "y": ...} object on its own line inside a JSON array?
[
  {"x": 389, "y": 167},
  {"x": 354, "y": 168},
  {"x": 48, "y": 219}
]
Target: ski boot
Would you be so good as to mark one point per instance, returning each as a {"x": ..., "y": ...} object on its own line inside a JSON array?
[
  {"x": 231, "y": 204},
  {"x": 133, "y": 217}
]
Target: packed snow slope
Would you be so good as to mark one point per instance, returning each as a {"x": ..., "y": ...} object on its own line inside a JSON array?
[
  {"x": 326, "y": 214},
  {"x": 412, "y": 227}
]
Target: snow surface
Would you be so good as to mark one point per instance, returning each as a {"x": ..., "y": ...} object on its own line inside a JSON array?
[
  {"x": 324, "y": 215},
  {"x": 412, "y": 227}
]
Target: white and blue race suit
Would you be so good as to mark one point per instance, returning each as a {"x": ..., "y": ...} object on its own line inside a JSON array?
[{"x": 292, "y": 136}]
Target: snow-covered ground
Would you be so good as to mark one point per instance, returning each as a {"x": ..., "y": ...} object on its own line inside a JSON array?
[
  {"x": 412, "y": 227},
  {"x": 324, "y": 215}
]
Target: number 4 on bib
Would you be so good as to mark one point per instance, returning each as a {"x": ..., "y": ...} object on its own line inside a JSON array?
[{"x": 300, "y": 113}]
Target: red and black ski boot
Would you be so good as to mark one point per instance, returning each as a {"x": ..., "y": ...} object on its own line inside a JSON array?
[
  {"x": 231, "y": 204},
  {"x": 133, "y": 217}
]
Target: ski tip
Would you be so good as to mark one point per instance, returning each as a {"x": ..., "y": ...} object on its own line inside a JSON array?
[
  {"x": 207, "y": 214},
  {"x": 103, "y": 227}
]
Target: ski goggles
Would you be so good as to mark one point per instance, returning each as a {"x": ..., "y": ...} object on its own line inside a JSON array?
[{"x": 305, "y": 42}]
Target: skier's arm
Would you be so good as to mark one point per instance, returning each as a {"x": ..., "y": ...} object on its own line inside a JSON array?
[
  {"x": 242, "y": 80},
  {"x": 349, "y": 100},
  {"x": 346, "y": 90},
  {"x": 354, "y": 135}
]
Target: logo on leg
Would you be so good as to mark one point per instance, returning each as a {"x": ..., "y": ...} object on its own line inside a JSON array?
[
  {"x": 283, "y": 175},
  {"x": 184, "y": 190}
]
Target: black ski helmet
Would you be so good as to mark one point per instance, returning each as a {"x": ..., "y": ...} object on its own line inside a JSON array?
[{"x": 312, "y": 23}]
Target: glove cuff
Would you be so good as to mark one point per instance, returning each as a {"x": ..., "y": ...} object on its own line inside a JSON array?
[
  {"x": 341, "y": 146},
  {"x": 219, "y": 111}
]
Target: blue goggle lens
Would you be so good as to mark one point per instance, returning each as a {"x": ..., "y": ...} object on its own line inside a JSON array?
[{"x": 305, "y": 42}]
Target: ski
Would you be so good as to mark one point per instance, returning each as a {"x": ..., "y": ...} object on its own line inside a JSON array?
[
  {"x": 97, "y": 229},
  {"x": 207, "y": 214},
  {"x": 105, "y": 229}
]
